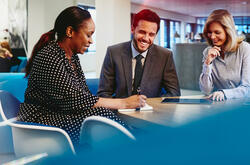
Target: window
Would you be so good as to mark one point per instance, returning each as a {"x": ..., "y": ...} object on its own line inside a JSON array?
[
  {"x": 200, "y": 24},
  {"x": 200, "y": 28},
  {"x": 242, "y": 24},
  {"x": 188, "y": 28},
  {"x": 174, "y": 33},
  {"x": 201, "y": 20},
  {"x": 169, "y": 33},
  {"x": 92, "y": 11},
  {"x": 163, "y": 34}
]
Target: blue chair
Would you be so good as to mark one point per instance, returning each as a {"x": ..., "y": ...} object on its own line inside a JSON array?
[
  {"x": 93, "y": 85},
  {"x": 15, "y": 84},
  {"x": 9, "y": 76},
  {"x": 6, "y": 142},
  {"x": 21, "y": 66},
  {"x": 32, "y": 138},
  {"x": 102, "y": 133}
]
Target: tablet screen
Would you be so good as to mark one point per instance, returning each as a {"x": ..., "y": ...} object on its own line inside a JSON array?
[{"x": 187, "y": 101}]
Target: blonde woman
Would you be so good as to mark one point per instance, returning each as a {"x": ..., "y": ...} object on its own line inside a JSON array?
[{"x": 226, "y": 61}]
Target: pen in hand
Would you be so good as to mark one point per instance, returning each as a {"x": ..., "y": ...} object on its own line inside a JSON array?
[{"x": 138, "y": 93}]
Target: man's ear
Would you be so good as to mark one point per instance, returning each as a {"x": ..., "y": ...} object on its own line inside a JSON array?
[{"x": 69, "y": 31}]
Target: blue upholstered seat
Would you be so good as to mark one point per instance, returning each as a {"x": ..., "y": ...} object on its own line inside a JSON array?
[
  {"x": 9, "y": 76},
  {"x": 100, "y": 133},
  {"x": 16, "y": 84},
  {"x": 93, "y": 85},
  {"x": 30, "y": 138}
]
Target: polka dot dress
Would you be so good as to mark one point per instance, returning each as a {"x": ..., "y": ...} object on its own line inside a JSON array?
[{"x": 57, "y": 94}]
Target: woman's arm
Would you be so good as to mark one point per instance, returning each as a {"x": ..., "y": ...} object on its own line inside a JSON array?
[
  {"x": 134, "y": 101},
  {"x": 206, "y": 81},
  {"x": 243, "y": 90}
]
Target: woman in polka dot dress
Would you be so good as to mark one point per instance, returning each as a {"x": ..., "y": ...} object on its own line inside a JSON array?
[{"x": 57, "y": 93}]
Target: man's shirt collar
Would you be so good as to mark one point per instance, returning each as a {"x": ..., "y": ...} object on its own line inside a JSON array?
[{"x": 135, "y": 52}]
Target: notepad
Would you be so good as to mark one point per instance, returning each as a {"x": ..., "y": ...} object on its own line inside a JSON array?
[{"x": 145, "y": 108}]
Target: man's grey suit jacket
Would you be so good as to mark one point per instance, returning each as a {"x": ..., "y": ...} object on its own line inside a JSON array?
[{"x": 159, "y": 71}]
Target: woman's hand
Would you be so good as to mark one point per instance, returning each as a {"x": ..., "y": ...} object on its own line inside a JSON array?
[
  {"x": 135, "y": 101},
  {"x": 212, "y": 54},
  {"x": 132, "y": 102},
  {"x": 4, "y": 53},
  {"x": 218, "y": 96}
]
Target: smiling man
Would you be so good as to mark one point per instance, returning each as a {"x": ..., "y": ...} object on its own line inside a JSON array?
[{"x": 139, "y": 66}]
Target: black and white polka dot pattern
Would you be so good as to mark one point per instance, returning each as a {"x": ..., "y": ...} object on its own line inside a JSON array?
[{"x": 57, "y": 95}]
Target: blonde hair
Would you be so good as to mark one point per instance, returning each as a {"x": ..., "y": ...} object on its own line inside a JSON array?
[{"x": 225, "y": 19}]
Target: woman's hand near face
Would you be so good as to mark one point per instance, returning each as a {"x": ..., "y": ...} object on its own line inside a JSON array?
[
  {"x": 212, "y": 54},
  {"x": 217, "y": 96},
  {"x": 135, "y": 101},
  {"x": 4, "y": 53}
]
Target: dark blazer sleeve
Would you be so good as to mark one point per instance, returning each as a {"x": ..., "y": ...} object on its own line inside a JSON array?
[
  {"x": 107, "y": 78},
  {"x": 170, "y": 80}
]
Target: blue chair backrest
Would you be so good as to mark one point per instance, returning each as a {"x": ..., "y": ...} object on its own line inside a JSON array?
[
  {"x": 15, "y": 83},
  {"x": 93, "y": 85},
  {"x": 21, "y": 66},
  {"x": 10, "y": 104},
  {"x": 9, "y": 76}
]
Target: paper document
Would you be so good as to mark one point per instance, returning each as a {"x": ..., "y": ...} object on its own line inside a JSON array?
[{"x": 145, "y": 108}]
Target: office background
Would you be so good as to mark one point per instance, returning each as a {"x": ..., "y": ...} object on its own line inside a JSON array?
[{"x": 181, "y": 21}]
